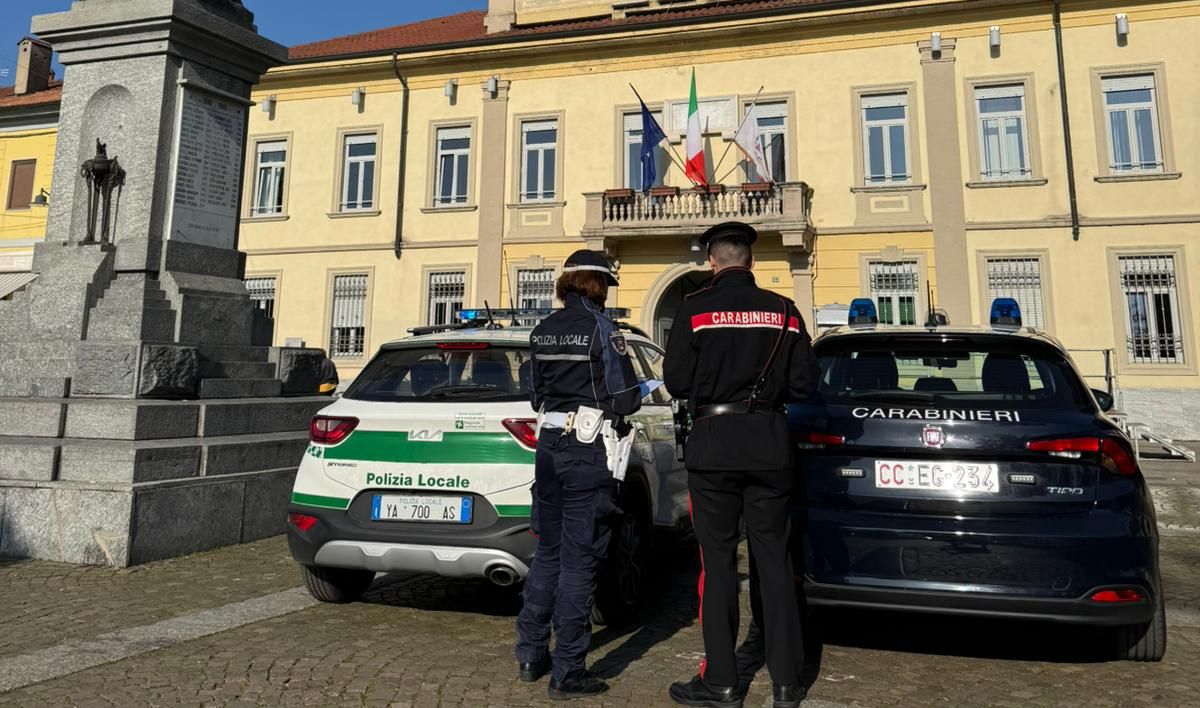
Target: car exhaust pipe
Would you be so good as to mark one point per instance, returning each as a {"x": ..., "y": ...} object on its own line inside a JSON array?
[{"x": 502, "y": 575}]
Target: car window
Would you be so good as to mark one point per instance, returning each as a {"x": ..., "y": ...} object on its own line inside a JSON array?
[
  {"x": 448, "y": 371},
  {"x": 967, "y": 374},
  {"x": 652, "y": 360}
]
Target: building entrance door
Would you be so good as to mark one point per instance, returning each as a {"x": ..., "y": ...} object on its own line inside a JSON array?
[{"x": 668, "y": 304}]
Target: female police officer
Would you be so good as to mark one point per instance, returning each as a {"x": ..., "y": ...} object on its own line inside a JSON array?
[{"x": 581, "y": 375}]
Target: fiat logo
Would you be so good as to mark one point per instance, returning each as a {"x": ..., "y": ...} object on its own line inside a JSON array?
[{"x": 933, "y": 436}]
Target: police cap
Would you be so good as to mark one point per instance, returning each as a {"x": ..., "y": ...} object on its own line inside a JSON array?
[
  {"x": 730, "y": 230},
  {"x": 588, "y": 260}
]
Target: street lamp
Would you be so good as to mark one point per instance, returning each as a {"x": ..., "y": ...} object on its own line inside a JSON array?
[{"x": 42, "y": 199}]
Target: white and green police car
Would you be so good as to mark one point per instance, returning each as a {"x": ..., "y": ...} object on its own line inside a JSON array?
[{"x": 425, "y": 464}]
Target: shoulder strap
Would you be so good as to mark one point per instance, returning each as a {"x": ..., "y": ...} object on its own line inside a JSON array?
[{"x": 783, "y": 330}]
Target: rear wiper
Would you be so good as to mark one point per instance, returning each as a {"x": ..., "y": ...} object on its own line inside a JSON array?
[{"x": 894, "y": 395}]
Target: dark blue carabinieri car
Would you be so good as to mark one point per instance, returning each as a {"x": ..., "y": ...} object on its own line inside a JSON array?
[{"x": 970, "y": 471}]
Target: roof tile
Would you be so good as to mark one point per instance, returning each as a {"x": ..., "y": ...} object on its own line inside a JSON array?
[{"x": 8, "y": 98}]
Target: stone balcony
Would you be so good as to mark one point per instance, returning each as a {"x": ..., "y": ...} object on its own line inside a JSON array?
[{"x": 622, "y": 214}]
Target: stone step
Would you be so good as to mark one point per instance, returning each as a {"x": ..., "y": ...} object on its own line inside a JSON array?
[
  {"x": 257, "y": 415},
  {"x": 131, "y": 419},
  {"x": 149, "y": 302},
  {"x": 233, "y": 353},
  {"x": 121, "y": 323},
  {"x": 237, "y": 370},
  {"x": 33, "y": 459},
  {"x": 240, "y": 388},
  {"x": 25, "y": 417},
  {"x": 142, "y": 461}
]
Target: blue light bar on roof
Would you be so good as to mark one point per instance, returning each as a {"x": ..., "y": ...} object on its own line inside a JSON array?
[
  {"x": 528, "y": 314},
  {"x": 862, "y": 311},
  {"x": 1006, "y": 312}
]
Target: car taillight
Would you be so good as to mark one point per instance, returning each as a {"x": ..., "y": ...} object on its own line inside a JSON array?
[
  {"x": 523, "y": 429},
  {"x": 329, "y": 430},
  {"x": 1118, "y": 595},
  {"x": 1114, "y": 455},
  {"x": 813, "y": 440},
  {"x": 303, "y": 522}
]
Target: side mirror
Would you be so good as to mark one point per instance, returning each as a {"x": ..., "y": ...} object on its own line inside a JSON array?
[{"x": 1104, "y": 399}]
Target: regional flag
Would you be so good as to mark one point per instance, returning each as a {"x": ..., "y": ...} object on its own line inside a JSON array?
[
  {"x": 652, "y": 135},
  {"x": 695, "y": 168}
]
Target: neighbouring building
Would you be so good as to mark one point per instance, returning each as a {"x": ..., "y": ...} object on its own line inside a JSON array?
[
  {"x": 28, "y": 128},
  {"x": 915, "y": 148}
]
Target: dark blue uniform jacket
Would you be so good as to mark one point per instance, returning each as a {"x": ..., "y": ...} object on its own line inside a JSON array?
[{"x": 580, "y": 359}]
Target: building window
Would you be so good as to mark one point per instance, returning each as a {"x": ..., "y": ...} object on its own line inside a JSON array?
[
  {"x": 358, "y": 172},
  {"x": 885, "y": 138},
  {"x": 1152, "y": 320},
  {"x": 1003, "y": 133},
  {"x": 535, "y": 290},
  {"x": 20, "y": 184},
  {"x": 1131, "y": 114},
  {"x": 262, "y": 294},
  {"x": 894, "y": 287},
  {"x": 447, "y": 290},
  {"x": 271, "y": 158},
  {"x": 632, "y": 130},
  {"x": 1020, "y": 279},
  {"x": 772, "y": 130},
  {"x": 453, "y": 166},
  {"x": 348, "y": 331},
  {"x": 539, "y": 155}
]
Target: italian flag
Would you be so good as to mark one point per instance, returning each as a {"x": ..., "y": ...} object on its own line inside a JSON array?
[{"x": 696, "y": 170}]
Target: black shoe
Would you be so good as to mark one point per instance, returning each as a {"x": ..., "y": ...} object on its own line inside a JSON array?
[
  {"x": 581, "y": 687},
  {"x": 701, "y": 695},
  {"x": 788, "y": 695},
  {"x": 531, "y": 671}
]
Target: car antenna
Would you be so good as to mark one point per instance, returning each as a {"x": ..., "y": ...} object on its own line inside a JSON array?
[
  {"x": 491, "y": 324},
  {"x": 931, "y": 316},
  {"x": 512, "y": 305}
]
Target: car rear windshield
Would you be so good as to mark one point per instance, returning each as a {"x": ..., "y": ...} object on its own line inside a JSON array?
[
  {"x": 452, "y": 371},
  {"x": 965, "y": 373}
]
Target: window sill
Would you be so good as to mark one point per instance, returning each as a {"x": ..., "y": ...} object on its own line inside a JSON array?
[
  {"x": 265, "y": 218},
  {"x": 353, "y": 214},
  {"x": 449, "y": 209},
  {"x": 887, "y": 188},
  {"x": 1139, "y": 177},
  {"x": 536, "y": 205},
  {"x": 994, "y": 183},
  {"x": 1164, "y": 369}
]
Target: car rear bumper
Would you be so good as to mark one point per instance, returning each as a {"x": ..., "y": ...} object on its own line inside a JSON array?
[
  {"x": 1081, "y": 610},
  {"x": 447, "y": 561}
]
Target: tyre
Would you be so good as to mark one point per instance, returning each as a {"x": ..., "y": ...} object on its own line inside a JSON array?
[
  {"x": 620, "y": 581},
  {"x": 336, "y": 585},
  {"x": 1146, "y": 641}
]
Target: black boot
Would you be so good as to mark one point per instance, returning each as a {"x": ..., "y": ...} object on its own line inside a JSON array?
[
  {"x": 701, "y": 695},
  {"x": 531, "y": 671},
  {"x": 577, "y": 687},
  {"x": 788, "y": 695}
]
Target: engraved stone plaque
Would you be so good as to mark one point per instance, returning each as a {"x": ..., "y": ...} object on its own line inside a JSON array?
[{"x": 208, "y": 170}]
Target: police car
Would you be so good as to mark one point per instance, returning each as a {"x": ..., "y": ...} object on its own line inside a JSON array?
[
  {"x": 425, "y": 464},
  {"x": 970, "y": 471}
]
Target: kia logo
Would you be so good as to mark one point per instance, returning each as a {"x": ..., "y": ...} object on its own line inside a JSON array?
[{"x": 933, "y": 436}]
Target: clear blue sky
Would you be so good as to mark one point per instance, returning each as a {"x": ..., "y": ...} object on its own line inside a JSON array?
[{"x": 285, "y": 21}]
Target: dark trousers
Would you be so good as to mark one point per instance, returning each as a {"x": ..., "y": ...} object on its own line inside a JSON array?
[
  {"x": 720, "y": 500},
  {"x": 573, "y": 495}
]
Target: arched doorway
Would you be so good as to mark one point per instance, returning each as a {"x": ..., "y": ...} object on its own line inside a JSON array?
[{"x": 672, "y": 297}]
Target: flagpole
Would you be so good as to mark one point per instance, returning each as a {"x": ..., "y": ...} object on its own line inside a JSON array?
[
  {"x": 673, "y": 155},
  {"x": 735, "y": 132}
]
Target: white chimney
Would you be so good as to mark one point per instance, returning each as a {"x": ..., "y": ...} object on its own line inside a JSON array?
[
  {"x": 501, "y": 15},
  {"x": 33, "y": 66}
]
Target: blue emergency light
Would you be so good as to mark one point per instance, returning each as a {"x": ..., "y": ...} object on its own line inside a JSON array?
[
  {"x": 1006, "y": 312},
  {"x": 527, "y": 314},
  {"x": 862, "y": 312}
]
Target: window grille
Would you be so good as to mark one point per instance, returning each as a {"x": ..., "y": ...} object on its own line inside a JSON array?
[
  {"x": 1134, "y": 144},
  {"x": 1152, "y": 319},
  {"x": 446, "y": 293},
  {"x": 271, "y": 157},
  {"x": 535, "y": 290},
  {"x": 894, "y": 287},
  {"x": 1020, "y": 279},
  {"x": 262, "y": 294},
  {"x": 885, "y": 138},
  {"x": 348, "y": 333}
]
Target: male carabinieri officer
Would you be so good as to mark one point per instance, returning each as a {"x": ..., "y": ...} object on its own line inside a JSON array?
[{"x": 738, "y": 353}]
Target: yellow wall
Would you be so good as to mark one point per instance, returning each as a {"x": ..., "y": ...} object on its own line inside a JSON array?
[{"x": 20, "y": 228}]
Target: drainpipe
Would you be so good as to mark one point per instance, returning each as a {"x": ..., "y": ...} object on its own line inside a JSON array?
[
  {"x": 399, "y": 244},
  {"x": 1066, "y": 120}
]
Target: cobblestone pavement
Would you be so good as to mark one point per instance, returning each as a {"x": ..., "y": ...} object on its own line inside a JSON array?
[{"x": 420, "y": 641}]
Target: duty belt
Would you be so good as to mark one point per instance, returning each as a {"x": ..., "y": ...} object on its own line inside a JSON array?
[{"x": 735, "y": 407}]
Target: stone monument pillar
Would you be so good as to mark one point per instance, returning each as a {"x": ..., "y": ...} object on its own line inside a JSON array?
[{"x": 141, "y": 420}]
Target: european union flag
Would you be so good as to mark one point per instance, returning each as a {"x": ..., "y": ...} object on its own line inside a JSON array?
[{"x": 652, "y": 135}]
